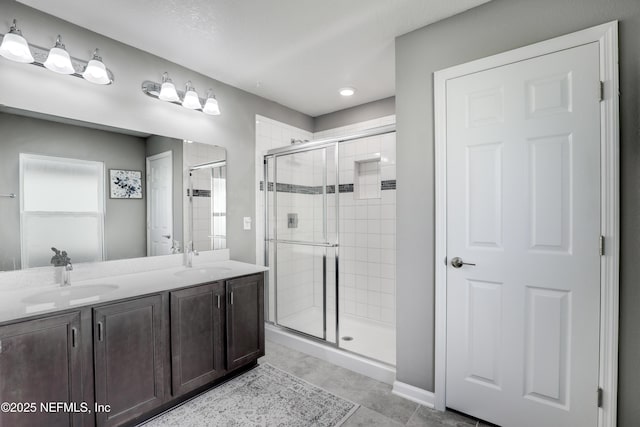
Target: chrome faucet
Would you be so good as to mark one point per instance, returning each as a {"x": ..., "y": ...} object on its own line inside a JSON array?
[
  {"x": 61, "y": 259},
  {"x": 190, "y": 253},
  {"x": 175, "y": 247}
]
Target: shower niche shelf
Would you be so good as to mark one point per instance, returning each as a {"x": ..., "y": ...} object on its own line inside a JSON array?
[{"x": 367, "y": 182}]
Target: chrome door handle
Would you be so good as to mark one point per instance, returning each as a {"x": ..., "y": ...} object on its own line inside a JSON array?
[
  {"x": 457, "y": 262},
  {"x": 166, "y": 236}
]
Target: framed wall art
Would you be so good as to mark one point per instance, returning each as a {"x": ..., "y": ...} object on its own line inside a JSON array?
[{"x": 125, "y": 184}]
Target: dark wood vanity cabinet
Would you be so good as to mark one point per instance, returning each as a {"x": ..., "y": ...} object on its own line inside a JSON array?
[
  {"x": 129, "y": 341},
  {"x": 197, "y": 336},
  {"x": 138, "y": 356},
  {"x": 41, "y": 362},
  {"x": 212, "y": 323},
  {"x": 245, "y": 320}
]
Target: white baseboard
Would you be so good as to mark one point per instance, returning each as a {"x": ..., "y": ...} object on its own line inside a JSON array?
[
  {"x": 414, "y": 394},
  {"x": 372, "y": 369}
]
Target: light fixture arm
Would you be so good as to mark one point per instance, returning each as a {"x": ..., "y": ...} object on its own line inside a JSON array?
[
  {"x": 14, "y": 28},
  {"x": 96, "y": 55},
  {"x": 59, "y": 43}
]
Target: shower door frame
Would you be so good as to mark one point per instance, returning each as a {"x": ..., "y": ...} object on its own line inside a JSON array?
[
  {"x": 309, "y": 146},
  {"x": 325, "y": 244}
]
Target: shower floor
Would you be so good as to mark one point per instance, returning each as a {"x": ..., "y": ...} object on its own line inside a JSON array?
[{"x": 370, "y": 338}]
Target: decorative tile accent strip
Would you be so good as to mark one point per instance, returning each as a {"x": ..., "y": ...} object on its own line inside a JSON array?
[
  {"x": 389, "y": 184},
  {"x": 346, "y": 188},
  {"x": 199, "y": 193},
  {"x": 331, "y": 189}
]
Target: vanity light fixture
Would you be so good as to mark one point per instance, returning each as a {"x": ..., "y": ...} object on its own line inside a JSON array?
[
  {"x": 166, "y": 91},
  {"x": 59, "y": 60},
  {"x": 191, "y": 99},
  {"x": 15, "y": 47},
  {"x": 95, "y": 71},
  {"x": 211, "y": 106}
]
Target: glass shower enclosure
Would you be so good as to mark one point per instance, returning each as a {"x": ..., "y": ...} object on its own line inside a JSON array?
[
  {"x": 302, "y": 240},
  {"x": 320, "y": 199}
]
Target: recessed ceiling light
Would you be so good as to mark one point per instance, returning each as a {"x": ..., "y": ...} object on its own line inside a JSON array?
[{"x": 347, "y": 91}]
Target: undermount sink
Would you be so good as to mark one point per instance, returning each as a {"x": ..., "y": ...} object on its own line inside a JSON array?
[
  {"x": 70, "y": 293},
  {"x": 201, "y": 272}
]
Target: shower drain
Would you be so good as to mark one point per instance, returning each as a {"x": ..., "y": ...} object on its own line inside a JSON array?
[{"x": 347, "y": 338}]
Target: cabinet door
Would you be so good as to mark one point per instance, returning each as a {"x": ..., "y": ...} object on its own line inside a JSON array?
[
  {"x": 128, "y": 349},
  {"x": 197, "y": 333},
  {"x": 40, "y": 362},
  {"x": 245, "y": 320}
]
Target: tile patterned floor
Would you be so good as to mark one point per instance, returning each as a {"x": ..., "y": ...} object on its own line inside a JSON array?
[{"x": 379, "y": 407}]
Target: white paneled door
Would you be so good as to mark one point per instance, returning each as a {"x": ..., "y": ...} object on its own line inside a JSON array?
[
  {"x": 523, "y": 210},
  {"x": 159, "y": 204}
]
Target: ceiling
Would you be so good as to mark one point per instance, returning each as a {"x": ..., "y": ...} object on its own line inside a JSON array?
[{"x": 295, "y": 52}]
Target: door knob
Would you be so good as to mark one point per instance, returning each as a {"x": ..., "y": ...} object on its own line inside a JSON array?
[
  {"x": 166, "y": 236},
  {"x": 457, "y": 262}
]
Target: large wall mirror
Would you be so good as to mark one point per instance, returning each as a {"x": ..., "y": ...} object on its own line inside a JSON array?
[{"x": 104, "y": 194}]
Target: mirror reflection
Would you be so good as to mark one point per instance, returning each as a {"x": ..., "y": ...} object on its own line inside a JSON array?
[
  {"x": 102, "y": 193},
  {"x": 207, "y": 190}
]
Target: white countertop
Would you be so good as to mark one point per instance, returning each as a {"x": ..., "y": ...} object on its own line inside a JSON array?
[{"x": 18, "y": 304}]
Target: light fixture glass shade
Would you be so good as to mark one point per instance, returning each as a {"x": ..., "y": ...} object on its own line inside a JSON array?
[
  {"x": 211, "y": 107},
  {"x": 191, "y": 99},
  {"x": 59, "y": 60},
  {"x": 16, "y": 48},
  {"x": 95, "y": 71},
  {"x": 168, "y": 92}
]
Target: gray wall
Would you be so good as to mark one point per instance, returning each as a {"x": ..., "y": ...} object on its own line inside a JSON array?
[
  {"x": 489, "y": 29},
  {"x": 360, "y": 113},
  {"x": 125, "y": 229},
  {"x": 123, "y": 105},
  {"x": 159, "y": 144}
]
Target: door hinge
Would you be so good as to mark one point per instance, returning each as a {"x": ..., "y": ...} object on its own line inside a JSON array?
[
  {"x": 600, "y": 397},
  {"x": 601, "y": 245},
  {"x": 601, "y": 91}
]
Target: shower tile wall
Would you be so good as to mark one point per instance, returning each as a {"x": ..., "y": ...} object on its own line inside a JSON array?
[
  {"x": 297, "y": 275},
  {"x": 367, "y": 225}
]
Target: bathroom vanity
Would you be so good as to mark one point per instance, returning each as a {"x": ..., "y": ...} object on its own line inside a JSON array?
[{"x": 138, "y": 345}]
